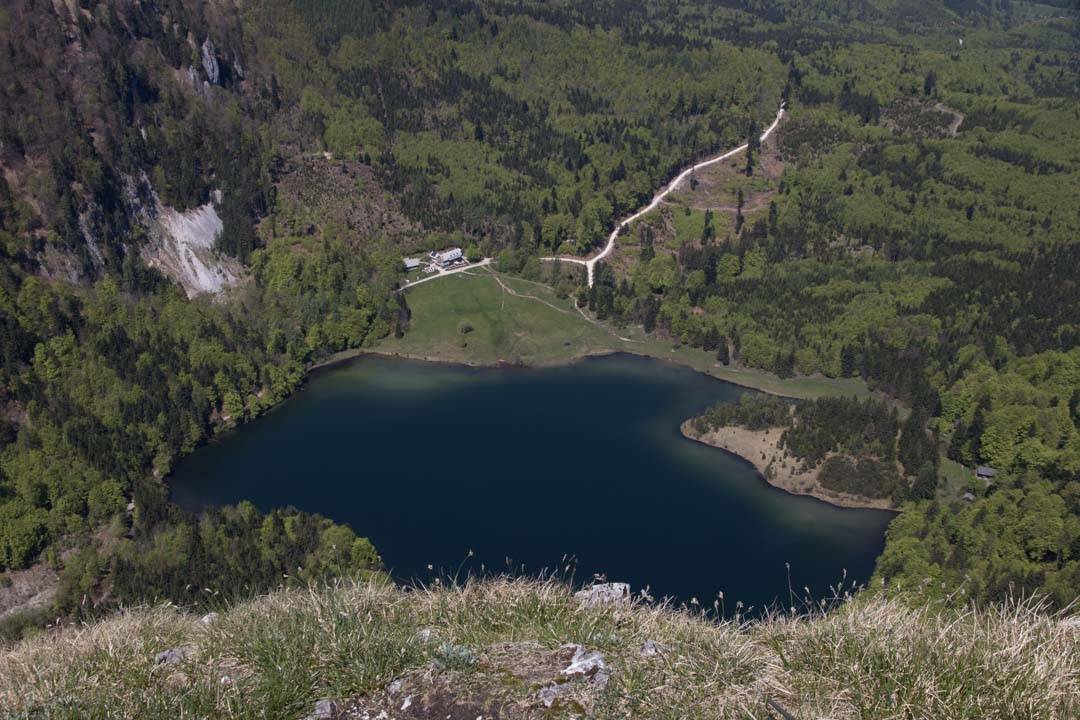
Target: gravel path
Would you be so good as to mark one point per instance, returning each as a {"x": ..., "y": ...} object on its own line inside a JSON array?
[{"x": 590, "y": 263}]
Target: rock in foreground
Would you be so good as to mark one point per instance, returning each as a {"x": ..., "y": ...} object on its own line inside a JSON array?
[
  {"x": 604, "y": 594},
  {"x": 508, "y": 680}
]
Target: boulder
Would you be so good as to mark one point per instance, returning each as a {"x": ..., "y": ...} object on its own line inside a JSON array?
[
  {"x": 604, "y": 594},
  {"x": 324, "y": 710},
  {"x": 650, "y": 648},
  {"x": 585, "y": 665},
  {"x": 173, "y": 655},
  {"x": 549, "y": 694},
  {"x": 588, "y": 664}
]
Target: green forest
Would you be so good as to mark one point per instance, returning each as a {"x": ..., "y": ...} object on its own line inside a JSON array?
[{"x": 913, "y": 222}]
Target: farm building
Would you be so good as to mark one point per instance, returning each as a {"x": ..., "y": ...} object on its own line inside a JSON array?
[
  {"x": 447, "y": 257},
  {"x": 412, "y": 263}
]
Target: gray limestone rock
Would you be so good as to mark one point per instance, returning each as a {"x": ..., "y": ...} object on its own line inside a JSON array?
[
  {"x": 210, "y": 62},
  {"x": 604, "y": 594},
  {"x": 173, "y": 655}
]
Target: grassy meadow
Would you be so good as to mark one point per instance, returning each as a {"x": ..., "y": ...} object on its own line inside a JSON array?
[{"x": 481, "y": 318}]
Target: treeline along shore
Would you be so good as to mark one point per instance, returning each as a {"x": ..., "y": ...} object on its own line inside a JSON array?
[
  {"x": 763, "y": 450},
  {"x": 850, "y": 452}
]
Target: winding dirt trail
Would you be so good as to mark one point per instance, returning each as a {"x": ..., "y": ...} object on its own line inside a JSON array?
[
  {"x": 511, "y": 291},
  {"x": 958, "y": 118},
  {"x": 590, "y": 263}
]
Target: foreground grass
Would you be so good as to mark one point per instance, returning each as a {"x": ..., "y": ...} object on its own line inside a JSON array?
[
  {"x": 516, "y": 321},
  {"x": 276, "y": 655}
]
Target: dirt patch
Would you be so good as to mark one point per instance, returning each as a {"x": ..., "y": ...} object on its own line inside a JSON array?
[
  {"x": 320, "y": 195},
  {"x": 29, "y": 589},
  {"x": 753, "y": 203},
  {"x": 762, "y": 449},
  {"x": 772, "y": 166},
  {"x": 914, "y": 116},
  {"x": 717, "y": 185}
]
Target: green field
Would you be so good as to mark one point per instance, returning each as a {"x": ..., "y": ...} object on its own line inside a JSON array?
[
  {"x": 531, "y": 327},
  {"x": 515, "y": 321}
]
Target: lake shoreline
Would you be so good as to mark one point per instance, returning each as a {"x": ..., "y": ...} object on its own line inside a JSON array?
[
  {"x": 762, "y": 451},
  {"x": 345, "y": 356}
]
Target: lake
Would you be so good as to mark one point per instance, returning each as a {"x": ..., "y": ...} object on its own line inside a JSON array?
[{"x": 525, "y": 467}]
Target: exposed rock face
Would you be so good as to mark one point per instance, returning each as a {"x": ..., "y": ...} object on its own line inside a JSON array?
[
  {"x": 181, "y": 244},
  {"x": 90, "y": 224},
  {"x": 186, "y": 253},
  {"x": 210, "y": 62},
  {"x": 604, "y": 594}
]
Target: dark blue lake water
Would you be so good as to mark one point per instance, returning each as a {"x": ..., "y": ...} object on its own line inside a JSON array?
[{"x": 433, "y": 461}]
